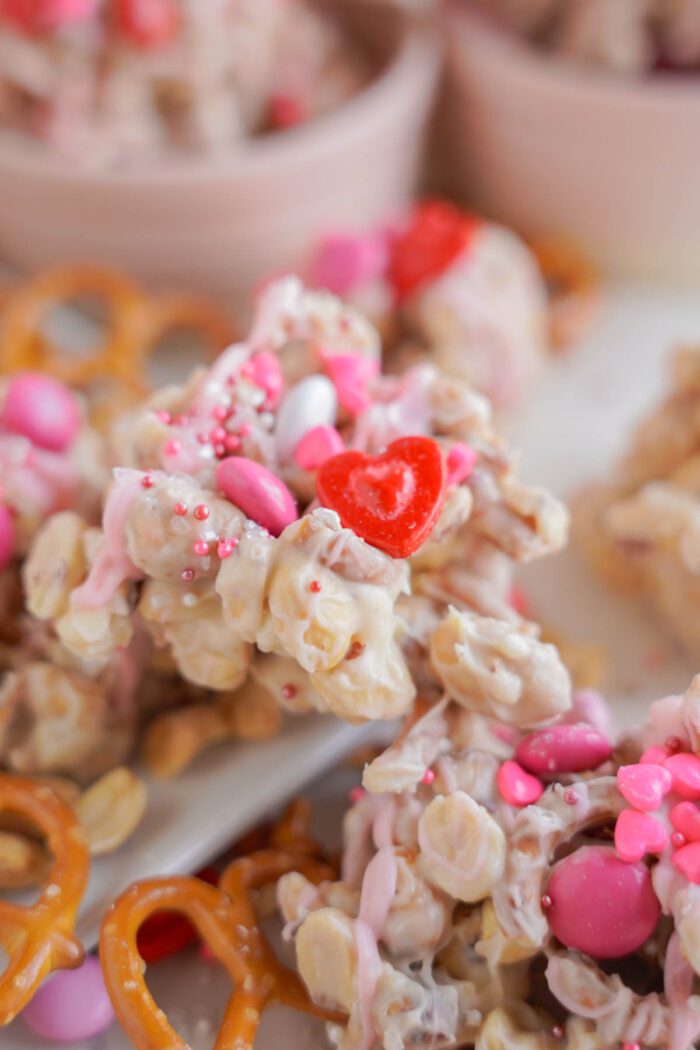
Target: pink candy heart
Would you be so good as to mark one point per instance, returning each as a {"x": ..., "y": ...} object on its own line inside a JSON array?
[
  {"x": 351, "y": 375},
  {"x": 637, "y": 834},
  {"x": 644, "y": 785},
  {"x": 517, "y": 787},
  {"x": 685, "y": 818},
  {"x": 346, "y": 261},
  {"x": 685, "y": 771},
  {"x": 687, "y": 861},
  {"x": 656, "y": 755},
  {"x": 461, "y": 460},
  {"x": 316, "y": 446}
]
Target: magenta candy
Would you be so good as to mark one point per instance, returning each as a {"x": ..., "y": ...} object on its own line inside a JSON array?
[
  {"x": 637, "y": 834},
  {"x": 461, "y": 460},
  {"x": 685, "y": 771},
  {"x": 316, "y": 446},
  {"x": 346, "y": 261},
  {"x": 600, "y": 904},
  {"x": 563, "y": 749},
  {"x": 72, "y": 1005},
  {"x": 7, "y": 537},
  {"x": 517, "y": 787},
  {"x": 644, "y": 785},
  {"x": 687, "y": 861},
  {"x": 257, "y": 492},
  {"x": 43, "y": 410}
]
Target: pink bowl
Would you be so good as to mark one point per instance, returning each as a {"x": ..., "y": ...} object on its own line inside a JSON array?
[
  {"x": 218, "y": 227},
  {"x": 611, "y": 163}
]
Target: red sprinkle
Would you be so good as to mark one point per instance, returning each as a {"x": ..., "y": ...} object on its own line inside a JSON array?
[
  {"x": 147, "y": 482},
  {"x": 315, "y": 586},
  {"x": 187, "y": 575},
  {"x": 289, "y": 691},
  {"x": 221, "y": 413},
  {"x": 218, "y": 434},
  {"x": 180, "y": 509},
  {"x": 428, "y": 777},
  {"x": 172, "y": 448},
  {"x": 201, "y": 548},
  {"x": 201, "y": 512},
  {"x": 545, "y": 901},
  {"x": 357, "y": 794},
  {"x": 232, "y": 443}
]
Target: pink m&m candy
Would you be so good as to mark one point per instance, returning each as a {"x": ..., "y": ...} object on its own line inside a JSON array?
[
  {"x": 72, "y": 1005},
  {"x": 345, "y": 261},
  {"x": 600, "y": 904},
  {"x": 517, "y": 787},
  {"x": 563, "y": 749},
  {"x": 257, "y": 492},
  {"x": 316, "y": 446},
  {"x": 7, "y": 537},
  {"x": 43, "y": 410}
]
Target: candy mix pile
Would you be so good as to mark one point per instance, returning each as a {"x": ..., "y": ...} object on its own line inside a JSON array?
[
  {"x": 640, "y": 528},
  {"x": 119, "y": 82},
  {"x": 630, "y": 37}
]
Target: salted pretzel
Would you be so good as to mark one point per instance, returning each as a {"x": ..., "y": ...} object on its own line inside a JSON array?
[
  {"x": 135, "y": 324},
  {"x": 226, "y": 920},
  {"x": 574, "y": 288},
  {"x": 39, "y": 938}
]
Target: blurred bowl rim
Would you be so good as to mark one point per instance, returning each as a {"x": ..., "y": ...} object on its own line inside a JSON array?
[
  {"x": 521, "y": 58},
  {"x": 418, "y": 43}
]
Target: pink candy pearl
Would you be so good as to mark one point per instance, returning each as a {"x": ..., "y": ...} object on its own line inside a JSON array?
[
  {"x": 257, "y": 492},
  {"x": 517, "y": 787},
  {"x": 685, "y": 817},
  {"x": 601, "y": 905},
  {"x": 644, "y": 785},
  {"x": 637, "y": 834},
  {"x": 316, "y": 446},
  {"x": 346, "y": 261},
  {"x": 43, "y": 410},
  {"x": 72, "y": 1005},
  {"x": 563, "y": 749},
  {"x": 7, "y": 537},
  {"x": 685, "y": 771},
  {"x": 461, "y": 460}
]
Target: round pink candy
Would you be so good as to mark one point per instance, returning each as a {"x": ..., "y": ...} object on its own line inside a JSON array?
[
  {"x": 72, "y": 1005},
  {"x": 346, "y": 261},
  {"x": 257, "y": 492},
  {"x": 316, "y": 446},
  {"x": 43, "y": 410},
  {"x": 601, "y": 905},
  {"x": 563, "y": 749},
  {"x": 517, "y": 787},
  {"x": 7, "y": 537}
]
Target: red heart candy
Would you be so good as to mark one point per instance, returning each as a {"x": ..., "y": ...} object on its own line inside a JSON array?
[
  {"x": 392, "y": 500},
  {"x": 436, "y": 236},
  {"x": 150, "y": 24}
]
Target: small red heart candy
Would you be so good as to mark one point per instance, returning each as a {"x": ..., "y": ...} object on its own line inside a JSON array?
[
  {"x": 392, "y": 500},
  {"x": 149, "y": 24},
  {"x": 437, "y": 234}
]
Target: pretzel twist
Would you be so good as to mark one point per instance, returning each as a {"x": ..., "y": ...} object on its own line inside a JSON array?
[
  {"x": 226, "y": 921},
  {"x": 39, "y": 938}
]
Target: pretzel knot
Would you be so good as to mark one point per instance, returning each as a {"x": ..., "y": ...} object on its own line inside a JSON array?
[
  {"x": 135, "y": 324},
  {"x": 39, "y": 939},
  {"x": 226, "y": 921}
]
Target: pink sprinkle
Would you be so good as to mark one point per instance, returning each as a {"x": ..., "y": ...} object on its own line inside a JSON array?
[
  {"x": 461, "y": 461},
  {"x": 232, "y": 443},
  {"x": 357, "y": 794},
  {"x": 180, "y": 509},
  {"x": 201, "y": 548},
  {"x": 220, "y": 450},
  {"x": 244, "y": 429},
  {"x": 220, "y": 413},
  {"x": 545, "y": 901},
  {"x": 147, "y": 482},
  {"x": 316, "y": 446},
  {"x": 201, "y": 512},
  {"x": 218, "y": 434},
  {"x": 187, "y": 575},
  {"x": 428, "y": 777},
  {"x": 673, "y": 743},
  {"x": 517, "y": 787},
  {"x": 225, "y": 548},
  {"x": 656, "y": 755},
  {"x": 631, "y": 1046},
  {"x": 644, "y": 785},
  {"x": 163, "y": 416},
  {"x": 685, "y": 771},
  {"x": 289, "y": 691},
  {"x": 677, "y": 839},
  {"x": 203, "y": 437},
  {"x": 637, "y": 834},
  {"x": 351, "y": 374},
  {"x": 685, "y": 818},
  {"x": 558, "y": 1031},
  {"x": 315, "y": 586},
  {"x": 571, "y": 797},
  {"x": 687, "y": 861},
  {"x": 172, "y": 448}
]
